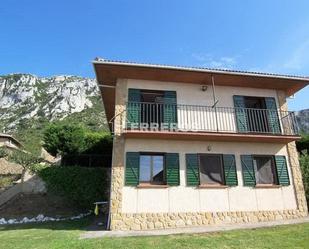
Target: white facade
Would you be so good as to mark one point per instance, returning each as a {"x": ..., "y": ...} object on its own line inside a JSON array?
[
  {"x": 194, "y": 199},
  {"x": 191, "y": 94},
  {"x": 194, "y": 106}
]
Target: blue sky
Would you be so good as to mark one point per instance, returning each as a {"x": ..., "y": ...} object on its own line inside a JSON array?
[{"x": 62, "y": 37}]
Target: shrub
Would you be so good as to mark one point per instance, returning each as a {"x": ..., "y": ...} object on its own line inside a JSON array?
[
  {"x": 3, "y": 152},
  {"x": 81, "y": 186},
  {"x": 303, "y": 144},
  {"x": 64, "y": 138},
  {"x": 23, "y": 158},
  {"x": 98, "y": 143},
  {"x": 37, "y": 167},
  {"x": 304, "y": 164}
]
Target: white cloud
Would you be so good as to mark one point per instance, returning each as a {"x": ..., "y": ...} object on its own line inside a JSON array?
[{"x": 207, "y": 60}]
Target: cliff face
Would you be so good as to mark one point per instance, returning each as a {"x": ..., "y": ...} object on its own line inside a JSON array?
[
  {"x": 303, "y": 120},
  {"x": 25, "y": 96},
  {"x": 29, "y": 103}
]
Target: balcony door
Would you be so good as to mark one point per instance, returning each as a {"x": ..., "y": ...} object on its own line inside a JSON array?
[
  {"x": 256, "y": 114},
  {"x": 152, "y": 109}
]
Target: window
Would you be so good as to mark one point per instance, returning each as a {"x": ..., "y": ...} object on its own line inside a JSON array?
[
  {"x": 211, "y": 169},
  {"x": 265, "y": 170},
  {"x": 151, "y": 168}
]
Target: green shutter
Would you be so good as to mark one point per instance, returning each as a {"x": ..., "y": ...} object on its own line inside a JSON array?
[
  {"x": 230, "y": 173},
  {"x": 272, "y": 115},
  {"x": 172, "y": 168},
  {"x": 247, "y": 170},
  {"x": 192, "y": 170},
  {"x": 170, "y": 107},
  {"x": 282, "y": 171},
  {"x": 241, "y": 113},
  {"x": 132, "y": 169},
  {"x": 133, "y": 107}
]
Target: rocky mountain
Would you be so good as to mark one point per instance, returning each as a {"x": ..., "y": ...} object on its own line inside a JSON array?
[
  {"x": 303, "y": 120},
  {"x": 26, "y": 96},
  {"x": 29, "y": 102}
]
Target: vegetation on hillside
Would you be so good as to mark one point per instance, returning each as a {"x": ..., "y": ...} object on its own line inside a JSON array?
[
  {"x": 30, "y": 131},
  {"x": 304, "y": 164},
  {"x": 303, "y": 144},
  {"x": 303, "y": 149},
  {"x": 72, "y": 139},
  {"x": 3, "y": 152},
  {"x": 25, "y": 159}
]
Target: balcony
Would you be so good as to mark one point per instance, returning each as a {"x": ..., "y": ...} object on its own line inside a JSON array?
[{"x": 177, "y": 121}]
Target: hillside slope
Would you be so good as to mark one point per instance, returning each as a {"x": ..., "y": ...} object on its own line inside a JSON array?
[{"x": 28, "y": 103}]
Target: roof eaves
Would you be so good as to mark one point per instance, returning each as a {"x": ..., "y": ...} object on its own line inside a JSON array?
[{"x": 201, "y": 69}]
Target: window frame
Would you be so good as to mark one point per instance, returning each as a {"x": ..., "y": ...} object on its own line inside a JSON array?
[
  {"x": 151, "y": 182},
  {"x": 222, "y": 170},
  {"x": 274, "y": 169}
]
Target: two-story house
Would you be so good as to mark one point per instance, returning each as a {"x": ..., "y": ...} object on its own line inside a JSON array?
[{"x": 198, "y": 146}]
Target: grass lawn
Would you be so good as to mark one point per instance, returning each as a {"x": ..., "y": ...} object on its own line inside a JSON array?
[{"x": 66, "y": 235}]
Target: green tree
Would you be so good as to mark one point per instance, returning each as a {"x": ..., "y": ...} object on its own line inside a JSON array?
[
  {"x": 98, "y": 143},
  {"x": 64, "y": 138},
  {"x": 304, "y": 164},
  {"x": 303, "y": 143},
  {"x": 25, "y": 159}
]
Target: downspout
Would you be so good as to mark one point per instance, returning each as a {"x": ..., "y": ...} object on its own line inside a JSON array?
[{"x": 214, "y": 99}]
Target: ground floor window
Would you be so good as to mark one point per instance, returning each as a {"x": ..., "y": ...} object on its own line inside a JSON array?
[
  {"x": 265, "y": 169},
  {"x": 151, "y": 168},
  {"x": 211, "y": 169}
]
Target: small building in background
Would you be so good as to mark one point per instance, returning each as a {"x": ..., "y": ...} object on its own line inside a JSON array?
[{"x": 9, "y": 142}]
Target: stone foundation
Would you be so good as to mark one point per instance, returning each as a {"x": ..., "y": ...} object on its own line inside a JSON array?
[{"x": 149, "y": 221}]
